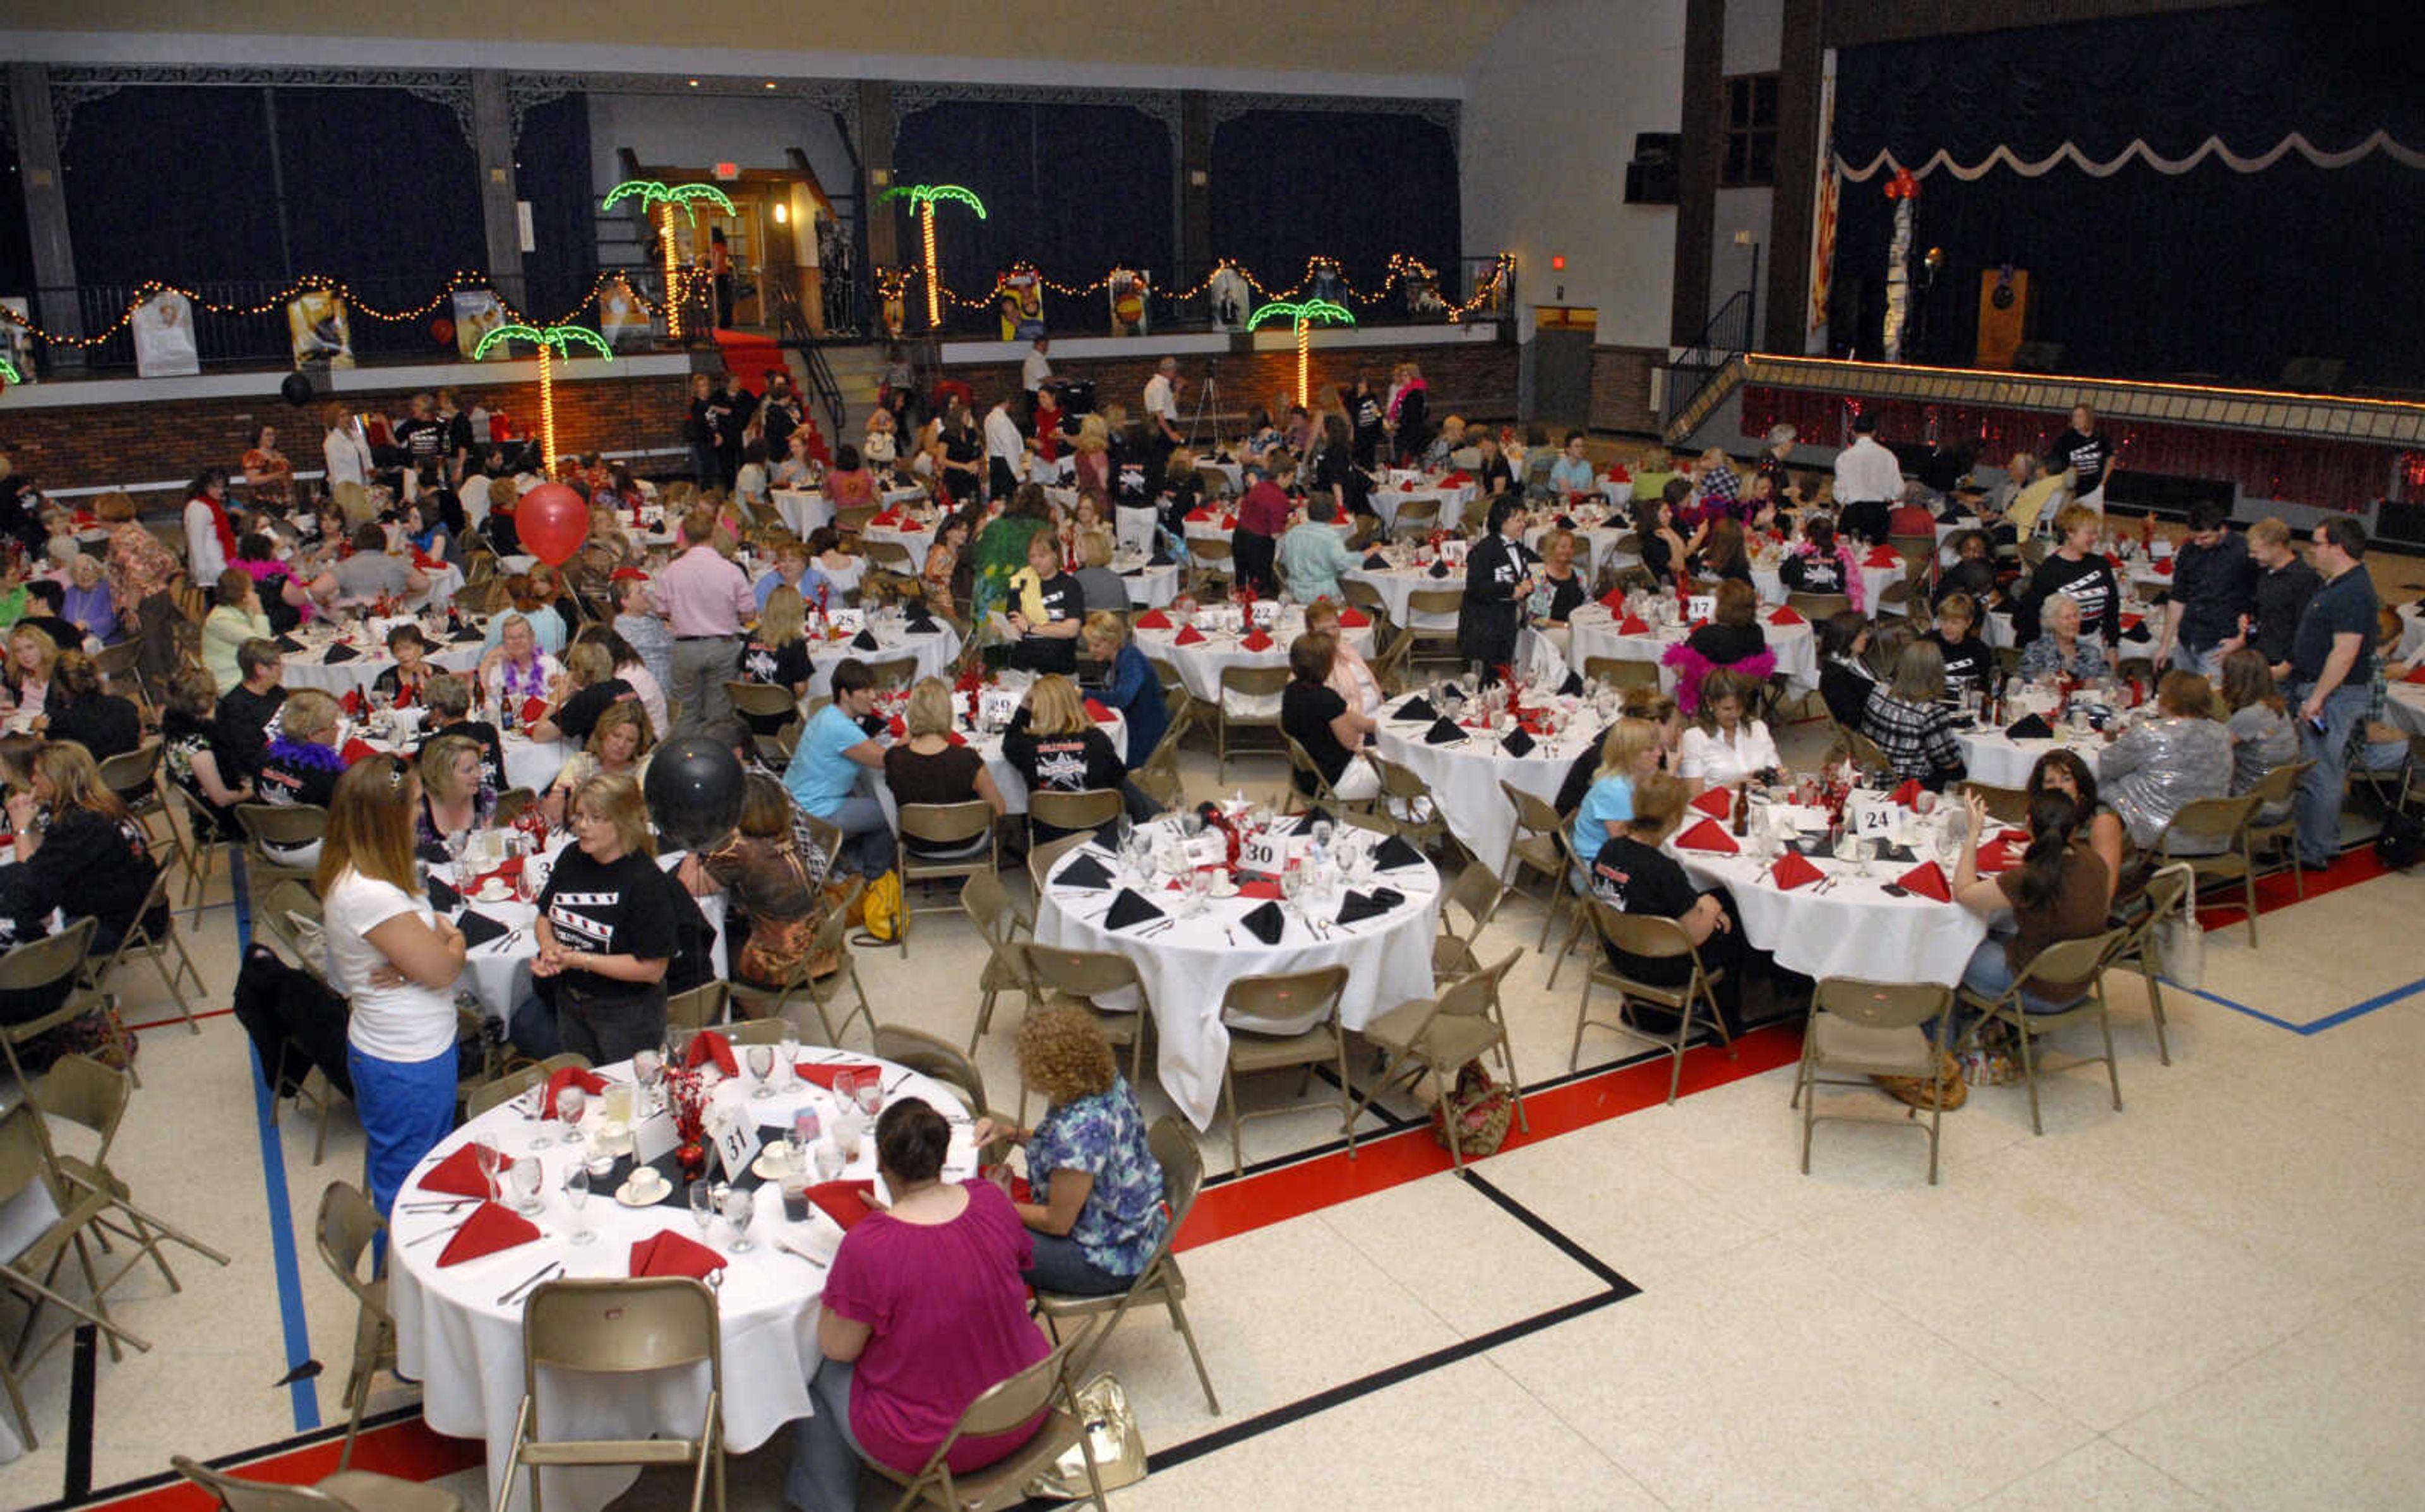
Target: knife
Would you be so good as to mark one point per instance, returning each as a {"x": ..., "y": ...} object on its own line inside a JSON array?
[{"x": 541, "y": 1274}]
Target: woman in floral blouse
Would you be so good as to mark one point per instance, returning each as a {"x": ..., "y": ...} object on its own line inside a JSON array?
[{"x": 1100, "y": 1218}]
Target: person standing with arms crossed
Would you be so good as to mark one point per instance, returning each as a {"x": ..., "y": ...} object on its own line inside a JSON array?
[
  {"x": 1161, "y": 416},
  {"x": 707, "y": 602},
  {"x": 2332, "y": 664}
]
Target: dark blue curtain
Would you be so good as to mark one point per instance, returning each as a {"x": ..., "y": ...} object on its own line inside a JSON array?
[
  {"x": 2143, "y": 273},
  {"x": 16, "y": 241},
  {"x": 1289, "y": 185},
  {"x": 1073, "y": 189},
  {"x": 171, "y": 182},
  {"x": 381, "y": 191},
  {"x": 552, "y": 171}
]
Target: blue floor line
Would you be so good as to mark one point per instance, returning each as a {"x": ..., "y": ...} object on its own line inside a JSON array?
[
  {"x": 304, "y": 1393},
  {"x": 2329, "y": 1021}
]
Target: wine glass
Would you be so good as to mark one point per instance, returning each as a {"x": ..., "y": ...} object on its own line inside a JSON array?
[
  {"x": 576, "y": 1196},
  {"x": 761, "y": 1068},
  {"x": 1323, "y": 831},
  {"x": 648, "y": 1070},
  {"x": 869, "y": 1094},
  {"x": 740, "y": 1207},
  {"x": 702, "y": 1205},
  {"x": 790, "y": 1046},
  {"x": 525, "y": 1179},
  {"x": 570, "y": 1104},
  {"x": 487, "y": 1158},
  {"x": 1293, "y": 891}
]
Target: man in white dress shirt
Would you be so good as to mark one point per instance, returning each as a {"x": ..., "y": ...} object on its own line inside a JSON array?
[
  {"x": 1160, "y": 417},
  {"x": 1004, "y": 446},
  {"x": 1867, "y": 481},
  {"x": 347, "y": 459},
  {"x": 1037, "y": 370}
]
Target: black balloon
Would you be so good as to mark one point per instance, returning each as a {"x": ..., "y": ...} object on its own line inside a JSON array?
[
  {"x": 296, "y": 389},
  {"x": 694, "y": 792}
]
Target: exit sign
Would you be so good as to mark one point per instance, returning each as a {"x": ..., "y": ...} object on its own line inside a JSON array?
[{"x": 727, "y": 171}]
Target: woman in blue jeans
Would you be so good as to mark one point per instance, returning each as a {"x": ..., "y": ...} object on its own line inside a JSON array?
[{"x": 1097, "y": 1215}]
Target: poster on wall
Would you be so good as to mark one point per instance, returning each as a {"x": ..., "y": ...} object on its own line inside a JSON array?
[
  {"x": 1230, "y": 296},
  {"x": 477, "y": 312},
  {"x": 17, "y": 338},
  {"x": 316, "y": 320},
  {"x": 622, "y": 318},
  {"x": 1018, "y": 298},
  {"x": 164, "y": 336},
  {"x": 1129, "y": 289}
]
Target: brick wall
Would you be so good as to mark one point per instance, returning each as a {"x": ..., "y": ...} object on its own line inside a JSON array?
[
  {"x": 1620, "y": 389},
  {"x": 92, "y": 445},
  {"x": 1476, "y": 378}
]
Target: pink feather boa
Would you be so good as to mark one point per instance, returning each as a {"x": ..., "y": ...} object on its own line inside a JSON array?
[
  {"x": 1691, "y": 667},
  {"x": 1856, "y": 587}
]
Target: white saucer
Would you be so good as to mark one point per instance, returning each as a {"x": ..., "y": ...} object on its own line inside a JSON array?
[
  {"x": 1226, "y": 891},
  {"x": 628, "y": 1194},
  {"x": 495, "y": 890},
  {"x": 770, "y": 1166}
]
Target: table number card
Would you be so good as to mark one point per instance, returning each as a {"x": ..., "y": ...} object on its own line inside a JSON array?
[
  {"x": 1266, "y": 853},
  {"x": 652, "y": 1138},
  {"x": 995, "y": 706},
  {"x": 848, "y": 621},
  {"x": 736, "y": 1144},
  {"x": 1701, "y": 606}
]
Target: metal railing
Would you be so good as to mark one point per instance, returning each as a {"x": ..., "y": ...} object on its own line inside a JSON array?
[{"x": 1726, "y": 337}]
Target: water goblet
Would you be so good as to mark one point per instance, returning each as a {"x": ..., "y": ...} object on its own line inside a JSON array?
[
  {"x": 1323, "y": 831},
  {"x": 739, "y": 1208},
  {"x": 790, "y": 1048},
  {"x": 869, "y": 1094},
  {"x": 702, "y": 1205},
  {"x": 760, "y": 1059},
  {"x": 525, "y": 1179},
  {"x": 487, "y": 1158},
  {"x": 570, "y": 1104},
  {"x": 1293, "y": 891},
  {"x": 576, "y": 1196},
  {"x": 648, "y": 1070}
]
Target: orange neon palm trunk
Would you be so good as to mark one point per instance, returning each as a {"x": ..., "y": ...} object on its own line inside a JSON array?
[{"x": 673, "y": 285}]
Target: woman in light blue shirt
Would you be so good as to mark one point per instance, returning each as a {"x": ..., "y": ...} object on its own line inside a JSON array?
[
  {"x": 1573, "y": 473},
  {"x": 1630, "y": 752},
  {"x": 823, "y": 776},
  {"x": 1313, "y": 555}
]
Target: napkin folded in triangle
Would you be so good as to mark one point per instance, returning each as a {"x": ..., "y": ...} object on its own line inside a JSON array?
[
  {"x": 1908, "y": 793},
  {"x": 897, "y": 727},
  {"x": 1199, "y": 516},
  {"x": 1311, "y": 817},
  {"x": 289, "y": 645},
  {"x": 355, "y": 749},
  {"x": 1353, "y": 618},
  {"x": 490, "y": 1229},
  {"x": 1633, "y": 625},
  {"x": 1928, "y": 880},
  {"x": 1516, "y": 743},
  {"x": 823, "y": 1074},
  {"x": 1416, "y": 707},
  {"x": 442, "y": 897},
  {"x": 1256, "y": 641},
  {"x": 1161, "y": 559},
  {"x": 1613, "y": 600},
  {"x": 2030, "y": 727},
  {"x": 588, "y": 1081},
  {"x": 1376, "y": 562},
  {"x": 1356, "y": 907},
  {"x": 1707, "y": 836},
  {"x": 1086, "y": 873},
  {"x": 1883, "y": 557},
  {"x": 2164, "y": 568},
  {"x": 479, "y": 928},
  {"x": 1394, "y": 852},
  {"x": 1130, "y": 908},
  {"x": 667, "y": 1253},
  {"x": 466, "y": 636},
  {"x": 845, "y": 1202},
  {"x": 1443, "y": 732},
  {"x": 1440, "y": 569},
  {"x": 865, "y": 641},
  {"x": 1228, "y": 522},
  {"x": 458, "y": 1174},
  {"x": 1787, "y": 614},
  {"x": 1715, "y": 801},
  {"x": 709, "y": 1045},
  {"x": 1793, "y": 870},
  {"x": 534, "y": 709},
  {"x": 921, "y": 624},
  {"x": 1188, "y": 635},
  {"x": 1266, "y": 923},
  {"x": 336, "y": 654},
  {"x": 1153, "y": 619},
  {"x": 1996, "y": 855},
  {"x": 1096, "y": 711}
]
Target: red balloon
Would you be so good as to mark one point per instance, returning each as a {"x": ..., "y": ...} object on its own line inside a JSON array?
[
  {"x": 551, "y": 522},
  {"x": 442, "y": 331}
]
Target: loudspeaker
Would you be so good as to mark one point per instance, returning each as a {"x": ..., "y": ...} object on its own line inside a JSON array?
[
  {"x": 1651, "y": 178},
  {"x": 2038, "y": 357}
]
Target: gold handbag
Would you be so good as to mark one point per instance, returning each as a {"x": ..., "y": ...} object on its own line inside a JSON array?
[{"x": 1112, "y": 1434}]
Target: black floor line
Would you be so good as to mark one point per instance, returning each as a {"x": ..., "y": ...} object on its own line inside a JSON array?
[
  {"x": 81, "y": 1387},
  {"x": 1556, "y": 1238}
]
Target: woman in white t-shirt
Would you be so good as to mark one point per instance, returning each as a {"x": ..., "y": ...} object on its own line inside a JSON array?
[
  {"x": 1725, "y": 746},
  {"x": 395, "y": 962}
]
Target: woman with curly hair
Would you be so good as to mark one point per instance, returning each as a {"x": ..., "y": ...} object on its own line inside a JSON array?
[{"x": 1102, "y": 1217}]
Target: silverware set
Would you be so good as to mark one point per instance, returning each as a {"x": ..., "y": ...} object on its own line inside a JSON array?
[
  {"x": 436, "y": 1233},
  {"x": 515, "y": 1294}
]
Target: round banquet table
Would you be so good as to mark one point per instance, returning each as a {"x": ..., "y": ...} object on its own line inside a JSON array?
[
  {"x": 2404, "y": 706},
  {"x": 1189, "y": 964},
  {"x": 499, "y": 972},
  {"x": 936, "y": 652},
  {"x": 1993, "y": 757},
  {"x": 1200, "y": 664},
  {"x": 1593, "y": 632},
  {"x": 1452, "y": 498},
  {"x": 910, "y": 536},
  {"x": 466, "y": 1348},
  {"x": 803, "y": 510},
  {"x": 309, "y": 668},
  {"x": 1598, "y": 542},
  {"x": 1854, "y": 929},
  {"x": 1464, "y": 777},
  {"x": 1397, "y": 587}
]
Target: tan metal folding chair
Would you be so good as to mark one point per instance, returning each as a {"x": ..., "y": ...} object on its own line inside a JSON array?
[
  {"x": 1277, "y": 1022},
  {"x": 2082, "y": 959},
  {"x": 1059, "y": 978},
  {"x": 1869, "y": 1028},
  {"x": 960, "y": 840},
  {"x": 935, "y": 1058},
  {"x": 1237, "y": 683},
  {"x": 1659, "y": 939},
  {"x": 348, "y": 1490},
  {"x": 1007, "y": 1407},
  {"x": 2208, "y": 822},
  {"x": 347, "y": 1227},
  {"x": 1438, "y": 1035},
  {"x": 1000, "y": 921},
  {"x": 627, "y": 1329}
]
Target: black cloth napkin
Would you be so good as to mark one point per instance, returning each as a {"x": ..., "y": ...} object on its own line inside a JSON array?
[
  {"x": 1565, "y": 522},
  {"x": 1266, "y": 923},
  {"x": 1891, "y": 852},
  {"x": 1395, "y": 853},
  {"x": 1416, "y": 707},
  {"x": 1129, "y": 908},
  {"x": 1440, "y": 569},
  {"x": 1133, "y": 572},
  {"x": 1443, "y": 732},
  {"x": 2030, "y": 727},
  {"x": 336, "y": 654},
  {"x": 1376, "y": 562},
  {"x": 479, "y": 928},
  {"x": 1311, "y": 817},
  {"x": 919, "y": 625},
  {"x": 289, "y": 645},
  {"x": 1107, "y": 834},
  {"x": 1516, "y": 743},
  {"x": 1572, "y": 687},
  {"x": 1086, "y": 872},
  {"x": 1161, "y": 559},
  {"x": 466, "y": 636},
  {"x": 1358, "y": 907},
  {"x": 865, "y": 641},
  {"x": 442, "y": 897}
]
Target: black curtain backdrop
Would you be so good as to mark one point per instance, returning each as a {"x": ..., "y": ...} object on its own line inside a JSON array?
[
  {"x": 552, "y": 171},
  {"x": 1073, "y": 189},
  {"x": 2143, "y": 273},
  {"x": 381, "y": 191},
  {"x": 171, "y": 182},
  {"x": 1289, "y": 185}
]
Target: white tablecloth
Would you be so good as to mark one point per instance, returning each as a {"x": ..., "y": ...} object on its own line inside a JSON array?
[
  {"x": 2412, "y": 632},
  {"x": 936, "y": 652},
  {"x": 1187, "y": 967},
  {"x": 466, "y": 1350},
  {"x": 529, "y": 763},
  {"x": 499, "y": 972},
  {"x": 1464, "y": 778},
  {"x": 1598, "y": 543},
  {"x": 803, "y": 510},
  {"x": 1453, "y": 498},
  {"x": 305, "y": 668},
  {"x": 1999, "y": 761},
  {"x": 1594, "y": 633},
  {"x": 1148, "y": 587},
  {"x": 2404, "y": 706},
  {"x": 1199, "y": 665},
  {"x": 1397, "y": 587},
  {"x": 1853, "y": 928},
  {"x": 444, "y": 585}
]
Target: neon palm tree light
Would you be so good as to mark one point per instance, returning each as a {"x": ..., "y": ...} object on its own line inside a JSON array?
[
  {"x": 553, "y": 341},
  {"x": 687, "y": 198},
  {"x": 1304, "y": 312},
  {"x": 8, "y": 372},
  {"x": 924, "y": 196}
]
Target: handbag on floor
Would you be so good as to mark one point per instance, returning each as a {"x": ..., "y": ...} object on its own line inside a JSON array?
[
  {"x": 1481, "y": 1108},
  {"x": 2180, "y": 942},
  {"x": 1112, "y": 1435}
]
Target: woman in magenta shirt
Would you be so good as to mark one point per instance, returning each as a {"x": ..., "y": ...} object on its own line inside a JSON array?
[
  {"x": 1263, "y": 518},
  {"x": 924, "y": 1309}
]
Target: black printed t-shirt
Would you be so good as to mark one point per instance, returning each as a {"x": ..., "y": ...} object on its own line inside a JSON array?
[
  {"x": 1635, "y": 877},
  {"x": 620, "y": 908}
]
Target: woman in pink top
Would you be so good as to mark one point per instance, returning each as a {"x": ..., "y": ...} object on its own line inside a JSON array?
[{"x": 924, "y": 1309}]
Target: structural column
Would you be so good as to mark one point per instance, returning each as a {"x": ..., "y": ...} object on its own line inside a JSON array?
[
  {"x": 1696, "y": 167},
  {"x": 46, "y": 208},
  {"x": 876, "y": 128},
  {"x": 492, "y": 149},
  {"x": 1195, "y": 191},
  {"x": 1790, "y": 229}
]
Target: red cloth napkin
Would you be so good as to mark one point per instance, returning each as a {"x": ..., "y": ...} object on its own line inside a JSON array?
[
  {"x": 458, "y": 1174},
  {"x": 425, "y": 562},
  {"x": 823, "y": 1076},
  {"x": 1883, "y": 557},
  {"x": 1787, "y": 614},
  {"x": 1633, "y": 626},
  {"x": 845, "y": 1202},
  {"x": 668, "y": 1253},
  {"x": 1259, "y": 889},
  {"x": 890, "y": 518},
  {"x": 2415, "y": 674},
  {"x": 1353, "y": 618},
  {"x": 1715, "y": 801},
  {"x": 1908, "y": 793},
  {"x": 352, "y": 702},
  {"x": 1199, "y": 516},
  {"x": 1793, "y": 870},
  {"x": 1707, "y": 836},
  {"x": 1995, "y": 855},
  {"x": 534, "y": 709},
  {"x": 709, "y": 1045},
  {"x": 1153, "y": 619},
  {"x": 1455, "y": 479},
  {"x": 1928, "y": 880},
  {"x": 355, "y": 749},
  {"x": 588, "y": 1081},
  {"x": 1188, "y": 635},
  {"x": 1228, "y": 522},
  {"x": 910, "y": 525},
  {"x": 488, "y": 1229},
  {"x": 2164, "y": 568},
  {"x": 1257, "y": 641},
  {"x": 1617, "y": 474},
  {"x": 1096, "y": 711},
  {"x": 899, "y": 727},
  {"x": 1613, "y": 600},
  {"x": 955, "y": 738}
]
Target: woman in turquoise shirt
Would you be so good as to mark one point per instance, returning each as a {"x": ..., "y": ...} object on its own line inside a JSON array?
[{"x": 823, "y": 775}]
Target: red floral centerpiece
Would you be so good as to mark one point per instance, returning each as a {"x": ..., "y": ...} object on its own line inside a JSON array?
[{"x": 687, "y": 1093}]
